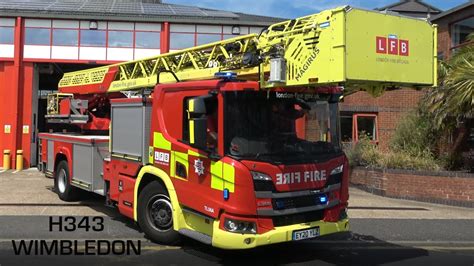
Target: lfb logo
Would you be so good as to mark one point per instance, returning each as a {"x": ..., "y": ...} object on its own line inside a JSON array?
[{"x": 392, "y": 45}]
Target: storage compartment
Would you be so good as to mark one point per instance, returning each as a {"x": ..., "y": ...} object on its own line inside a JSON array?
[
  {"x": 87, "y": 165},
  {"x": 130, "y": 129}
]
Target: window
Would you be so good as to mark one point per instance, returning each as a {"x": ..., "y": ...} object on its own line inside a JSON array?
[
  {"x": 203, "y": 38},
  {"x": 120, "y": 39},
  {"x": 6, "y": 35},
  {"x": 37, "y": 36},
  {"x": 93, "y": 38},
  {"x": 346, "y": 128},
  {"x": 461, "y": 29},
  {"x": 150, "y": 40},
  {"x": 366, "y": 125},
  {"x": 181, "y": 40},
  {"x": 65, "y": 37},
  {"x": 354, "y": 125}
]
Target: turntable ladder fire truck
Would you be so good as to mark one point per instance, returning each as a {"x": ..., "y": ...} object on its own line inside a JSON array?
[{"x": 234, "y": 143}]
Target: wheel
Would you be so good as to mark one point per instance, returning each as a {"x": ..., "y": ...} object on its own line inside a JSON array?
[
  {"x": 155, "y": 215},
  {"x": 62, "y": 186}
]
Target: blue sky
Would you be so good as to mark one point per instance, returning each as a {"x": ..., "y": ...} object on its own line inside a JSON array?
[{"x": 297, "y": 8}]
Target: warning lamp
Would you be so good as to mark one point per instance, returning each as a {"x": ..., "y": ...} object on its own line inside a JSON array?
[
  {"x": 226, "y": 75},
  {"x": 323, "y": 199}
]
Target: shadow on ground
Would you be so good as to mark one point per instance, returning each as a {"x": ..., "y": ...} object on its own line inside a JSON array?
[{"x": 344, "y": 250}]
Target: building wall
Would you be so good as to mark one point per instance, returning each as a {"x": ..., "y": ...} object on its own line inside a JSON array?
[
  {"x": 26, "y": 41},
  {"x": 15, "y": 114},
  {"x": 389, "y": 109},
  {"x": 444, "y": 29}
]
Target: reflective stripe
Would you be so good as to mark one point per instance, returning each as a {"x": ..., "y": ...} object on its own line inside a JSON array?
[
  {"x": 191, "y": 131},
  {"x": 229, "y": 177},
  {"x": 160, "y": 142},
  {"x": 222, "y": 176},
  {"x": 151, "y": 151},
  {"x": 191, "y": 105},
  {"x": 193, "y": 153},
  {"x": 216, "y": 176}
]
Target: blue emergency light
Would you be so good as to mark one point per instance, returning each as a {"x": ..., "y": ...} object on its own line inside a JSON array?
[
  {"x": 226, "y": 75},
  {"x": 226, "y": 194},
  {"x": 323, "y": 199}
]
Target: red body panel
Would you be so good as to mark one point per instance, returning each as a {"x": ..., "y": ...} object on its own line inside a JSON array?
[{"x": 297, "y": 177}]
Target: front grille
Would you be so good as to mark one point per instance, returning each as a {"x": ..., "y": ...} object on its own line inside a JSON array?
[
  {"x": 298, "y": 218},
  {"x": 295, "y": 202}
]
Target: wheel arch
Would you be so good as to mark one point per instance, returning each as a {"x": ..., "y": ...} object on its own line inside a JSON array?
[{"x": 150, "y": 174}]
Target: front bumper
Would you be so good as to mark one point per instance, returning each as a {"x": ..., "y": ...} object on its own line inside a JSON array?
[{"x": 227, "y": 240}]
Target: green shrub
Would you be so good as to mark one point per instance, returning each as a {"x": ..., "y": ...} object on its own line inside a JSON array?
[
  {"x": 366, "y": 153},
  {"x": 403, "y": 160},
  {"x": 415, "y": 135}
]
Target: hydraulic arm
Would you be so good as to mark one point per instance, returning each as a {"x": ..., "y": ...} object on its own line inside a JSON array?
[{"x": 342, "y": 46}]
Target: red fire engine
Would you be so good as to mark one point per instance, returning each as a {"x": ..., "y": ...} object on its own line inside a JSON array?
[{"x": 235, "y": 143}]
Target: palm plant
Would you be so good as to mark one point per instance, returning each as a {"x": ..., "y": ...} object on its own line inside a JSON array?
[
  {"x": 453, "y": 101},
  {"x": 451, "y": 105}
]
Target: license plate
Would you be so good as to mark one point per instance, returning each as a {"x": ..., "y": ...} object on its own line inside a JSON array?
[{"x": 306, "y": 234}]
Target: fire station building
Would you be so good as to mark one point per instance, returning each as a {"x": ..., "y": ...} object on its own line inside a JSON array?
[{"x": 42, "y": 39}]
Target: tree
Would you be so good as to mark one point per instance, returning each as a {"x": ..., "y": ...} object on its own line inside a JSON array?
[{"x": 452, "y": 103}]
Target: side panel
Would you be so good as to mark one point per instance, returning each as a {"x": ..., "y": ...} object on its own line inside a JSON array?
[
  {"x": 389, "y": 48},
  {"x": 88, "y": 166},
  {"x": 130, "y": 130},
  {"x": 125, "y": 202},
  {"x": 82, "y": 163},
  {"x": 50, "y": 150}
]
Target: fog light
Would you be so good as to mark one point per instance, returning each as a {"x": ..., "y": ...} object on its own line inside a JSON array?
[
  {"x": 243, "y": 227},
  {"x": 248, "y": 241}
]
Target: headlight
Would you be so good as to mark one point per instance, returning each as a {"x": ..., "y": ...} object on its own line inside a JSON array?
[
  {"x": 260, "y": 176},
  {"x": 243, "y": 227},
  {"x": 262, "y": 182},
  {"x": 337, "y": 170}
]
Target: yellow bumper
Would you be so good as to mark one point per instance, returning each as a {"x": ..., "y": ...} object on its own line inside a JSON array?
[{"x": 226, "y": 240}]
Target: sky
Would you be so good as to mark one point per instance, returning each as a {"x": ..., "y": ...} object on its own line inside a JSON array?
[{"x": 298, "y": 8}]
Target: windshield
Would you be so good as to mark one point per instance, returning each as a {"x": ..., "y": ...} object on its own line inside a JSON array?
[{"x": 280, "y": 127}]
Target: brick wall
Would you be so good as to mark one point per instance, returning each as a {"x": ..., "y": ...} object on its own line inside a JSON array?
[
  {"x": 390, "y": 108},
  {"x": 449, "y": 188},
  {"x": 444, "y": 31}
]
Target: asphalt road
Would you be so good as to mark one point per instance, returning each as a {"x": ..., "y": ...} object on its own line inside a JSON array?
[
  {"x": 384, "y": 231},
  {"x": 372, "y": 242}
]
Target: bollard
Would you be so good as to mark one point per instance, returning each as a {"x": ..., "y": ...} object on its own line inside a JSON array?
[
  {"x": 6, "y": 160},
  {"x": 19, "y": 160}
]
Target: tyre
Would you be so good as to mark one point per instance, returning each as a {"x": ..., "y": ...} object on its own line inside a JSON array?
[
  {"x": 62, "y": 184},
  {"x": 155, "y": 215}
]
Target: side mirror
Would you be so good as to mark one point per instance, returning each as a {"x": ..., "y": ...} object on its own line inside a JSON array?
[
  {"x": 198, "y": 132},
  {"x": 197, "y": 117},
  {"x": 197, "y": 106}
]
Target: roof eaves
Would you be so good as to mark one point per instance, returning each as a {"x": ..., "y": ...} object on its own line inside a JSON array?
[
  {"x": 403, "y": 1},
  {"x": 141, "y": 18},
  {"x": 453, "y": 10}
]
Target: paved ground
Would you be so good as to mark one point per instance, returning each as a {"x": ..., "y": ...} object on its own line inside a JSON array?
[{"x": 384, "y": 231}]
